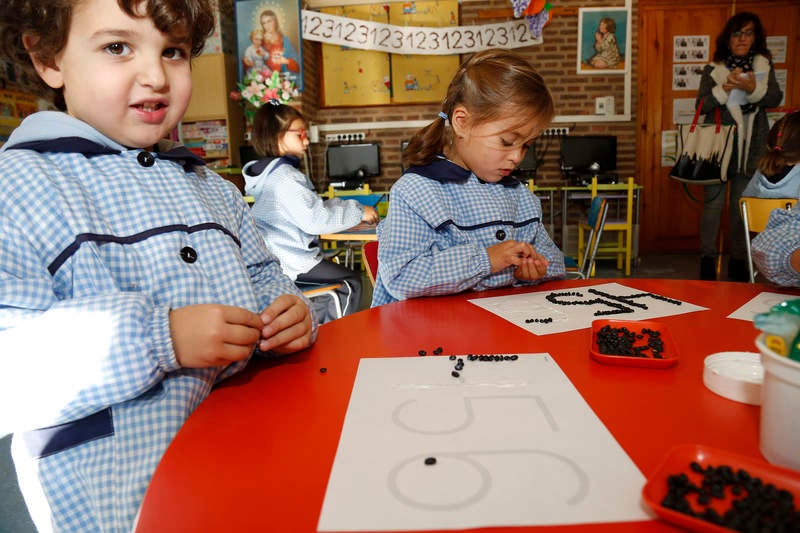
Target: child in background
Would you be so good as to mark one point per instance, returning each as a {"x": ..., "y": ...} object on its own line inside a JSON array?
[
  {"x": 132, "y": 279},
  {"x": 289, "y": 213},
  {"x": 778, "y": 174},
  {"x": 776, "y": 250},
  {"x": 457, "y": 220}
]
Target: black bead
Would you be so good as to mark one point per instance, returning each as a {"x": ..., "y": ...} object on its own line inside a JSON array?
[
  {"x": 430, "y": 461},
  {"x": 323, "y": 370}
]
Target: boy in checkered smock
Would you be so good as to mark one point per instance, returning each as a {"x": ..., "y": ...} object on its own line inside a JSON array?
[
  {"x": 457, "y": 219},
  {"x": 132, "y": 279}
]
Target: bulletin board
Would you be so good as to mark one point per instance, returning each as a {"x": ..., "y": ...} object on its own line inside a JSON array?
[
  {"x": 14, "y": 106},
  {"x": 356, "y": 77},
  {"x": 366, "y": 77},
  {"x": 418, "y": 78}
]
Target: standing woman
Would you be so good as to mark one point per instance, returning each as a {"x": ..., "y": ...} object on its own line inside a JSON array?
[{"x": 741, "y": 82}]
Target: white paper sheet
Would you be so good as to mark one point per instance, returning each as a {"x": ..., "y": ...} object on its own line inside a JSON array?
[
  {"x": 546, "y": 312},
  {"x": 514, "y": 443},
  {"x": 761, "y": 303}
]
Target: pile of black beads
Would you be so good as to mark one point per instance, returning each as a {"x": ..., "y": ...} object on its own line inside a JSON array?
[
  {"x": 539, "y": 320},
  {"x": 622, "y": 341},
  {"x": 474, "y": 357},
  {"x": 755, "y": 506}
]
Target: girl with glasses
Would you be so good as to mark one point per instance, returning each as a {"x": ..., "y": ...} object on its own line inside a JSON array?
[{"x": 289, "y": 214}]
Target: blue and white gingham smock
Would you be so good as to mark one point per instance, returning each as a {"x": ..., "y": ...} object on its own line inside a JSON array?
[
  {"x": 97, "y": 243},
  {"x": 441, "y": 219},
  {"x": 773, "y": 247},
  {"x": 290, "y": 214}
]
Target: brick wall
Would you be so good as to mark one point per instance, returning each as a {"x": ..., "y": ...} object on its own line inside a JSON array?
[{"x": 556, "y": 59}]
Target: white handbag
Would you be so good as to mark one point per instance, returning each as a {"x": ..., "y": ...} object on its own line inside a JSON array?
[{"x": 704, "y": 151}]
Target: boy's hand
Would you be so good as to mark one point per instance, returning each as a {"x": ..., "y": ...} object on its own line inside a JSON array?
[
  {"x": 206, "y": 335},
  {"x": 508, "y": 253},
  {"x": 286, "y": 325},
  {"x": 369, "y": 215}
]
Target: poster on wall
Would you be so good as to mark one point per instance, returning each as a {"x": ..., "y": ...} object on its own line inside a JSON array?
[
  {"x": 603, "y": 40},
  {"x": 686, "y": 77},
  {"x": 268, "y": 39},
  {"x": 356, "y": 77},
  {"x": 690, "y": 48},
  {"x": 417, "y": 78}
]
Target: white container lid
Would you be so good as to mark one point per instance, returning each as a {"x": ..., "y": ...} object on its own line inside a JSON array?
[{"x": 735, "y": 375}]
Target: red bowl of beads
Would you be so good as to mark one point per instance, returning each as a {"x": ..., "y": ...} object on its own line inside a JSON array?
[
  {"x": 640, "y": 343},
  {"x": 716, "y": 491}
]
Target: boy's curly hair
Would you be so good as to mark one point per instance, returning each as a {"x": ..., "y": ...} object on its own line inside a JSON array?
[{"x": 48, "y": 23}]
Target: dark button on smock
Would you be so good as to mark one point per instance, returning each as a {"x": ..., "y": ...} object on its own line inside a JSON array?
[
  {"x": 146, "y": 159},
  {"x": 188, "y": 254},
  {"x": 501, "y": 234}
]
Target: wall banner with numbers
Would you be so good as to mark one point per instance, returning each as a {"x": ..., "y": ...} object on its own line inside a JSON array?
[{"x": 368, "y": 35}]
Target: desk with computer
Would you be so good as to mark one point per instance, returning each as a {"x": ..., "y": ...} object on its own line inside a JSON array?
[{"x": 588, "y": 165}]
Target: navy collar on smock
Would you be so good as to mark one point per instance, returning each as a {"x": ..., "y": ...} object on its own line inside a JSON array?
[
  {"x": 80, "y": 145},
  {"x": 443, "y": 170},
  {"x": 258, "y": 167}
]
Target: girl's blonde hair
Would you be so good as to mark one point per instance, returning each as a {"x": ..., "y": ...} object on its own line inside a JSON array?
[
  {"x": 491, "y": 85},
  {"x": 783, "y": 145}
]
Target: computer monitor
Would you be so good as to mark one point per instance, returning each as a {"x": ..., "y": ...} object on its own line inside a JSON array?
[
  {"x": 353, "y": 162},
  {"x": 580, "y": 152}
]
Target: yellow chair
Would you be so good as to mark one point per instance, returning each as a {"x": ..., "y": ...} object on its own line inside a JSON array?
[
  {"x": 593, "y": 226},
  {"x": 755, "y": 214},
  {"x": 622, "y": 249}
]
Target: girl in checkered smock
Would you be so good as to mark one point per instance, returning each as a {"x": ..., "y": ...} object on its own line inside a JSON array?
[
  {"x": 778, "y": 174},
  {"x": 132, "y": 279},
  {"x": 457, "y": 219},
  {"x": 776, "y": 250}
]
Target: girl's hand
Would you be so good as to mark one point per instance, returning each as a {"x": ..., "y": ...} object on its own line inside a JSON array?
[
  {"x": 508, "y": 253},
  {"x": 286, "y": 325},
  {"x": 213, "y": 334},
  {"x": 369, "y": 215},
  {"x": 532, "y": 268}
]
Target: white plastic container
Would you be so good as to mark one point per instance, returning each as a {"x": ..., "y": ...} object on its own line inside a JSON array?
[{"x": 780, "y": 408}]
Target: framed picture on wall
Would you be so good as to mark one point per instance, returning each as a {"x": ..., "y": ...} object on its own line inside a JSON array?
[
  {"x": 268, "y": 38},
  {"x": 604, "y": 40}
]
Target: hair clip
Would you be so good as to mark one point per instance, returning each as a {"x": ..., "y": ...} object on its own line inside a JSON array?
[{"x": 274, "y": 101}]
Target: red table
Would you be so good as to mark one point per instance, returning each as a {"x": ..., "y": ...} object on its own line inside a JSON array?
[{"x": 256, "y": 455}]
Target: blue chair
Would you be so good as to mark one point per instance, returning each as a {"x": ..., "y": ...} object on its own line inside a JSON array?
[{"x": 594, "y": 223}]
